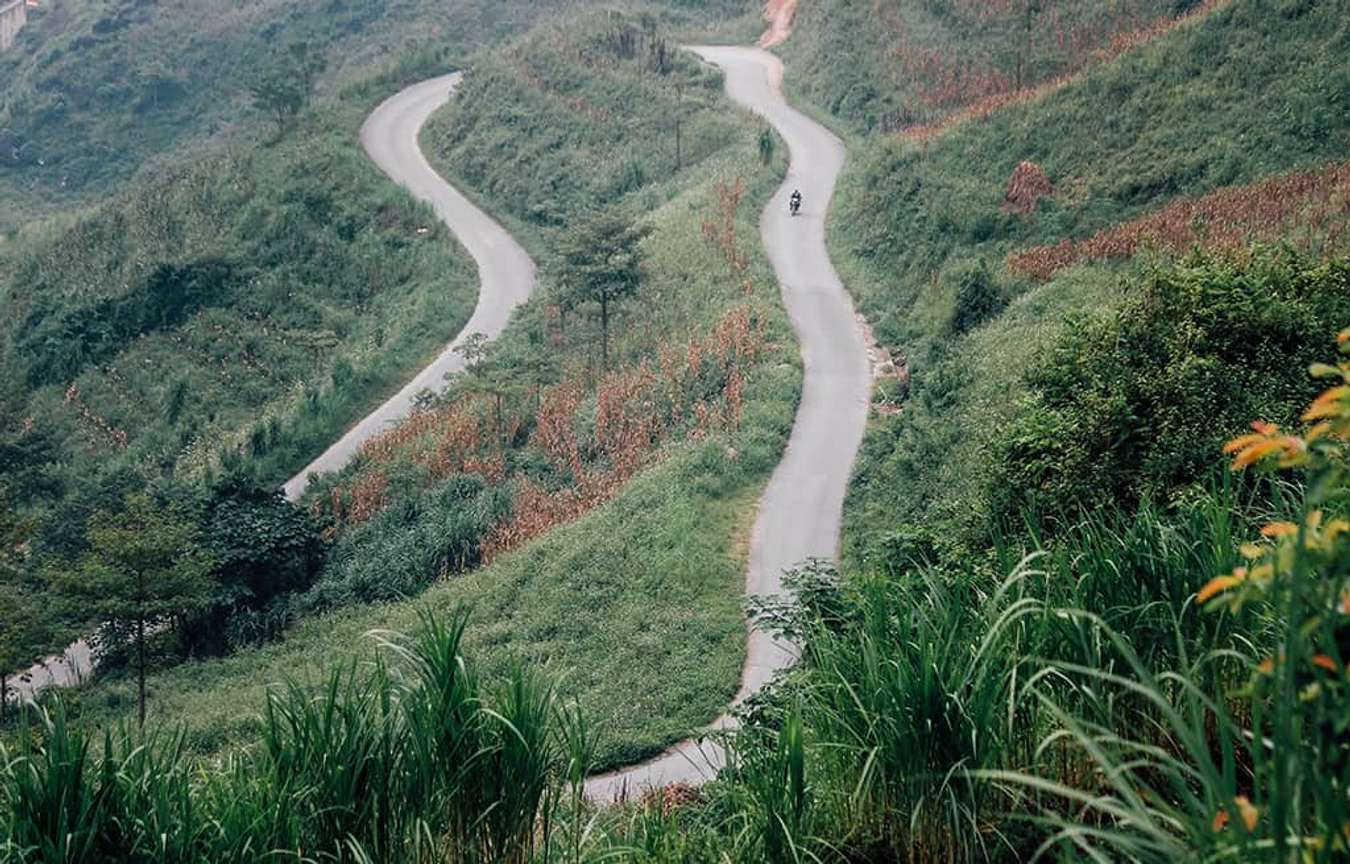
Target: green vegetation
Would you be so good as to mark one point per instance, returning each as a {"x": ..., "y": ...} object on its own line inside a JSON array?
[
  {"x": 1087, "y": 693},
  {"x": 600, "y": 98},
  {"x": 251, "y": 306},
  {"x": 889, "y": 66},
  {"x": 601, "y": 264},
  {"x": 655, "y": 466},
  {"x": 459, "y": 764},
  {"x": 1126, "y": 138},
  {"x": 145, "y": 564},
  {"x": 25, "y": 633},
  {"x": 1190, "y": 357},
  {"x": 1050, "y": 636},
  {"x": 97, "y": 89}
]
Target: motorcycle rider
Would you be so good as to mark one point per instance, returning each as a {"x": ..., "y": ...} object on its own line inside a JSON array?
[{"x": 795, "y": 201}]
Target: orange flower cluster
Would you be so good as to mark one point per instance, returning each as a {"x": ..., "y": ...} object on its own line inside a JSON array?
[{"x": 1224, "y": 220}]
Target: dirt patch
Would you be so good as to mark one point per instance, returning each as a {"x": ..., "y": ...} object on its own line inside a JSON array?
[
  {"x": 779, "y": 14},
  {"x": 885, "y": 364}
]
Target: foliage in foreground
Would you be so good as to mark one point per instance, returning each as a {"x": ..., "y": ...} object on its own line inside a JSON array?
[
  {"x": 421, "y": 759},
  {"x": 1084, "y": 708},
  {"x": 1195, "y": 352},
  {"x": 1087, "y": 692}
]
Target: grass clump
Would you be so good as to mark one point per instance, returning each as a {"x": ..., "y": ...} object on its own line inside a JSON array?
[{"x": 420, "y": 757}]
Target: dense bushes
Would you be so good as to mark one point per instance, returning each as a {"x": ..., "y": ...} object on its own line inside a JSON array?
[
  {"x": 426, "y": 536},
  {"x": 57, "y": 343},
  {"x": 1196, "y": 352},
  {"x": 978, "y": 298}
]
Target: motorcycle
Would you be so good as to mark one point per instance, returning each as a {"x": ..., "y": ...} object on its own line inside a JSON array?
[{"x": 794, "y": 205}]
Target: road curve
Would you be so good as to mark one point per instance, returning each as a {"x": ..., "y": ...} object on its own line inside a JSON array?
[
  {"x": 506, "y": 274},
  {"x": 801, "y": 510},
  {"x": 506, "y": 278}
]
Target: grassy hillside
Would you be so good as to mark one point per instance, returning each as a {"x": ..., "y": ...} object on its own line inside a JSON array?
[
  {"x": 886, "y": 66},
  {"x": 634, "y": 587},
  {"x": 924, "y": 228},
  {"x": 97, "y": 89},
  {"x": 258, "y": 301},
  {"x": 597, "y": 132}
]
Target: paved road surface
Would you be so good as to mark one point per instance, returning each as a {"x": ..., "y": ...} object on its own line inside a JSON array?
[
  {"x": 799, "y": 515},
  {"x": 506, "y": 274}
]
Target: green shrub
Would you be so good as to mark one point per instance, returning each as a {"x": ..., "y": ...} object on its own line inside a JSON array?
[
  {"x": 1202, "y": 348},
  {"x": 419, "y": 759},
  {"x": 978, "y": 298}
]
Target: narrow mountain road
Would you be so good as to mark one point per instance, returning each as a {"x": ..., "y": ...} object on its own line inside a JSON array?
[
  {"x": 802, "y": 508},
  {"x": 505, "y": 272},
  {"x": 506, "y": 278},
  {"x": 800, "y": 512}
]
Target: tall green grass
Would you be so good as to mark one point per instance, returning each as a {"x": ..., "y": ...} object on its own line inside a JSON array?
[
  {"x": 923, "y": 691},
  {"x": 936, "y": 715},
  {"x": 416, "y": 760}
]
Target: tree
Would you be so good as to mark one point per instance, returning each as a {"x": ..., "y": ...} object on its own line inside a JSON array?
[
  {"x": 284, "y": 90},
  {"x": 144, "y": 567},
  {"x": 260, "y": 546},
  {"x": 26, "y": 626},
  {"x": 486, "y": 376},
  {"x": 278, "y": 95},
  {"x": 536, "y": 360},
  {"x": 601, "y": 263}
]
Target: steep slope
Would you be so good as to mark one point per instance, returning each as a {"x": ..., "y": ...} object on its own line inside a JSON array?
[
  {"x": 1235, "y": 97},
  {"x": 96, "y": 89},
  {"x": 879, "y": 65},
  {"x": 256, "y": 303}
]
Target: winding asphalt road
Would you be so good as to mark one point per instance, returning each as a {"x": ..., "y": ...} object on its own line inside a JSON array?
[
  {"x": 802, "y": 508},
  {"x": 505, "y": 272},
  {"x": 506, "y": 279},
  {"x": 800, "y": 512}
]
